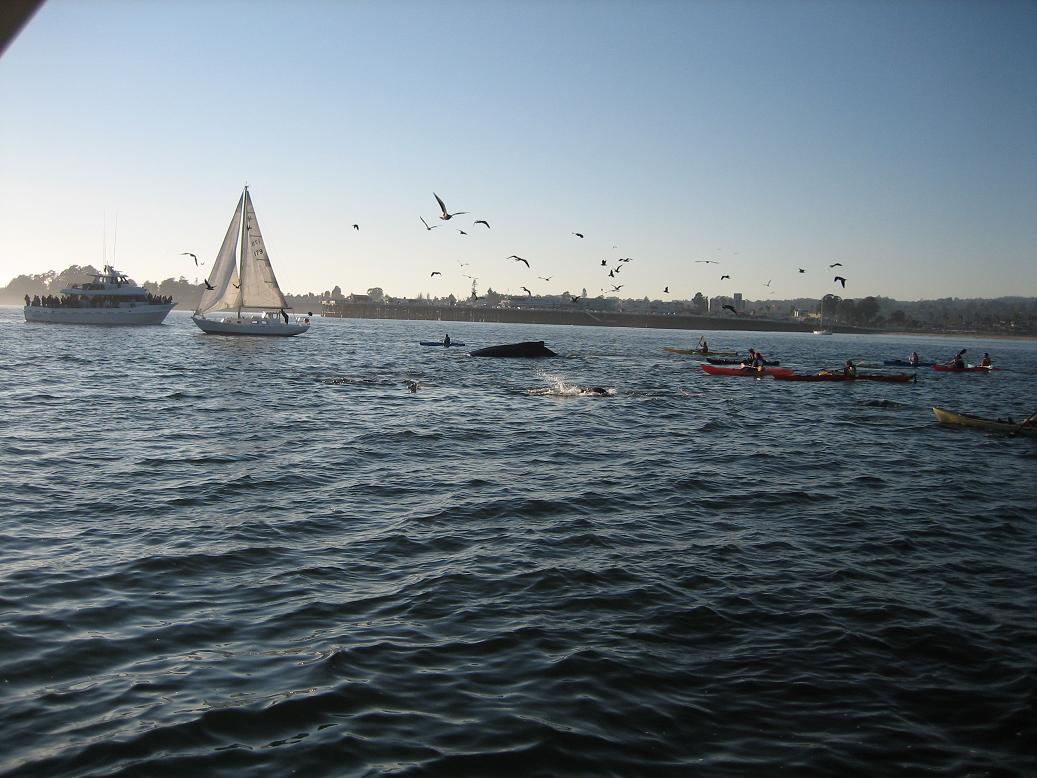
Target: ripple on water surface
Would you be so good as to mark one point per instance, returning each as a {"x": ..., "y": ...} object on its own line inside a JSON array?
[{"x": 226, "y": 556}]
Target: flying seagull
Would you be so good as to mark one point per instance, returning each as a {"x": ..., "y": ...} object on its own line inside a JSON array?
[
  {"x": 841, "y": 280},
  {"x": 542, "y": 278},
  {"x": 768, "y": 284},
  {"x": 442, "y": 207},
  {"x": 836, "y": 264},
  {"x": 574, "y": 300},
  {"x": 801, "y": 270},
  {"x": 578, "y": 234},
  {"x": 236, "y": 286},
  {"x": 527, "y": 291},
  {"x": 627, "y": 259},
  {"x": 208, "y": 286},
  {"x": 192, "y": 256},
  {"x": 706, "y": 262},
  {"x": 612, "y": 274},
  {"x": 604, "y": 263},
  {"x": 483, "y": 221},
  {"x": 666, "y": 290},
  {"x": 519, "y": 259},
  {"x": 730, "y": 308},
  {"x": 617, "y": 288},
  {"x": 723, "y": 277},
  {"x": 356, "y": 226},
  {"x": 434, "y": 273},
  {"x": 462, "y": 232},
  {"x": 426, "y": 224}
]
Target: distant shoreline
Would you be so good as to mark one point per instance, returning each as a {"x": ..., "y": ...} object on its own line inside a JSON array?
[
  {"x": 629, "y": 320},
  {"x": 618, "y": 319}
]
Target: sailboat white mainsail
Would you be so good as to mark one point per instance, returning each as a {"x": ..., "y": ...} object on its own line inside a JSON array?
[
  {"x": 242, "y": 279},
  {"x": 259, "y": 289}
]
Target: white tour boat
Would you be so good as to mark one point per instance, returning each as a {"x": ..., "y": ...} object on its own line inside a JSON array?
[
  {"x": 242, "y": 296},
  {"x": 111, "y": 298}
]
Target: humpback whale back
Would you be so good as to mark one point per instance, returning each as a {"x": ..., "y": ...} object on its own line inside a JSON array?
[{"x": 532, "y": 348}]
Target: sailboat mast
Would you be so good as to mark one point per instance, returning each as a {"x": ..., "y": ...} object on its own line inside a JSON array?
[{"x": 243, "y": 249}]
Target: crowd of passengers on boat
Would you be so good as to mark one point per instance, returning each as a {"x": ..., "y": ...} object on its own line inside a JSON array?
[{"x": 95, "y": 301}]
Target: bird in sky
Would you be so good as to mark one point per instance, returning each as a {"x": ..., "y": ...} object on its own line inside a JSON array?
[
  {"x": 434, "y": 273},
  {"x": 841, "y": 280},
  {"x": 462, "y": 232},
  {"x": 801, "y": 270},
  {"x": 706, "y": 262},
  {"x": 604, "y": 263},
  {"x": 542, "y": 278},
  {"x": 527, "y": 291},
  {"x": 578, "y": 234},
  {"x": 627, "y": 259},
  {"x": 574, "y": 300},
  {"x": 519, "y": 259},
  {"x": 442, "y": 207},
  {"x": 767, "y": 284},
  {"x": 192, "y": 256},
  {"x": 483, "y": 221},
  {"x": 612, "y": 274},
  {"x": 617, "y": 287},
  {"x": 723, "y": 277},
  {"x": 236, "y": 286},
  {"x": 836, "y": 264},
  {"x": 463, "y": 264},
  {"x": 208, "y": 286},
  {"x": 666, "y": 290},
  {"x": 356, "y": 226},
  {"x": 730, "y": 308},
  {"x": 426, "y": 224}
]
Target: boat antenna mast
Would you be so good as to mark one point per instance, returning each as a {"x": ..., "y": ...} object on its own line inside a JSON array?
[{"x": 243, "y": 249}]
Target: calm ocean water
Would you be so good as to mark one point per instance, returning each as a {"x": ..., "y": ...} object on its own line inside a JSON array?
[{"x": 227, "y": 556}]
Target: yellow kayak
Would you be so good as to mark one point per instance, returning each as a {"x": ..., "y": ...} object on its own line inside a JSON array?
[{"x": 994, "y": 425}]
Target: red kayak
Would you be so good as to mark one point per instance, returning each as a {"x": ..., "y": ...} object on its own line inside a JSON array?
[
  {"x": 969, "y": 369},
  {"x": 752, "y": 372},
  {"x": 892, "y": 378}
]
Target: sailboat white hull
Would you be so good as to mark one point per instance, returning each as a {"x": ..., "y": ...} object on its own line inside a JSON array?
[
  {"x": 230, "y": 324},
  {"x": 136, "y": 315}
]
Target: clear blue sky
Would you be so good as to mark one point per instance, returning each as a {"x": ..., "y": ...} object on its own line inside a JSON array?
[{"x": 899, "y": 138}]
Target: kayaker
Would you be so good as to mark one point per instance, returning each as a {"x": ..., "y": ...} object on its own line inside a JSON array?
[
  {"x": 446, "y": 340},
  {"x": 985, "y": 362},
  {"x": 750, "y": 359},
  {"x": 703, "y": 345},
  {"x": 849, "y": 369},
  {"x": 913, "y": 359},
  {"x": 1029, "y": 421},
  {"x": 959, "y": 360}
]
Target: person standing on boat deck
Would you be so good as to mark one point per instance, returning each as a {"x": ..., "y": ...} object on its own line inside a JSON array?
[
  {"x": 985, "y": 362},
  {"x": 849, "y": 369},
  {"x": 27, "y": 300},
  {"x": 285, "y": 315},
  {"x": 446, "y": 340}
]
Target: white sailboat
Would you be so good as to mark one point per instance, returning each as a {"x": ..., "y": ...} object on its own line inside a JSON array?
[
  {"x": 242, "y": 297},
  {"x": 821, "y": 328}
]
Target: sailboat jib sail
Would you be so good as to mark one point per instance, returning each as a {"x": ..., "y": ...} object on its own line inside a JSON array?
[
  {"x": 225, "y": 294},
  {"x": 259, "y": 287}
]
